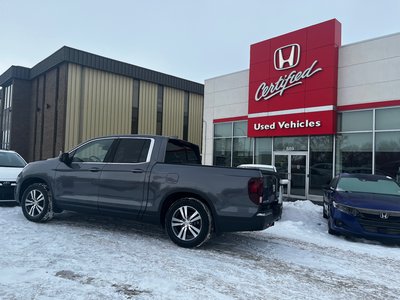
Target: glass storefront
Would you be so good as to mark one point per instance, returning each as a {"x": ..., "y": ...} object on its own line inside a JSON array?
[
  {"x": 321, "y": 166},
  {"x": 354, "y": 153},
  {"x": 263, "y": 151},
  {"x": 232, "y": 147},
  {"x": 367, "y": 141},
  {"x": 387, "y": 154}
]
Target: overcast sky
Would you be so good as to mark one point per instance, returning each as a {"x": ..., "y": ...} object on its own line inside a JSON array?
[{"x": 195, "y": 40}]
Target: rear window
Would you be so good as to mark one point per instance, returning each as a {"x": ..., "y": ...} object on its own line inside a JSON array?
[
  {"x": 132, "y": 151},
  {"x": 179, "y": 152}
]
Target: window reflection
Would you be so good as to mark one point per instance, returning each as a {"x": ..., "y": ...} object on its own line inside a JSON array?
[
  {"x": 297, "y": 143},
  {"x": 354, "y": 153},
  {"x": 355, "y": 121},
  {"x": 387, "y": 154},
  {"x": 222, "y": 152},
  {"x": 263, "y": 151},
  {"x": 242, "y": 151},
  {"x": 321, "y": 158}
]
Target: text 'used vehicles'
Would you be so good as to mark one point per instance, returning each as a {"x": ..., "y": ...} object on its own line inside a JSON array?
[{"x": 153, "y": 179}]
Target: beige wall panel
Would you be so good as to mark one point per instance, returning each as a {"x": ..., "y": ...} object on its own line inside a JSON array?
[
  {"x": 99, "y": 103},
  {"x": 147, "y": 108},
  {"x": 195, "y": 119},
  {"x": 173, "y": 110}
]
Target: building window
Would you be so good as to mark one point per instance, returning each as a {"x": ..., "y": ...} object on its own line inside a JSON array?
[
  {"x": 223, "y": 144},
  {"x": 354, "y": 153},
  {"x": 223, "y": 152},
  {"x": 297, "y": 143},
  {"x": 387, "y": 119},
  {"x": 263, "y": 151},
  {"x": 160, "y": 93},
  {"x": 223, "y": 130},
  {"x": 135, "y": 107},
  {"x": 387, "y": 154},
  {"x": 240, "y": 129},
  {"x": 355, "y": 121},
  {"x": 242, "y": 151},
  {"x": 321, "y": 167},
  {"x": 186, "y": 116},
  {"x": 6, "y": 121},
  {"x": 232, "y": 147}
]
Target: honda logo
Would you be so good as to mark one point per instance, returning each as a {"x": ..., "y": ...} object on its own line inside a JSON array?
[
  {"x": 384, "y": 215},
  {"x": 287, "y": 57}
]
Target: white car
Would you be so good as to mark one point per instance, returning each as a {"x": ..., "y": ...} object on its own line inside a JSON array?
[{"x": 11, "y": 164}]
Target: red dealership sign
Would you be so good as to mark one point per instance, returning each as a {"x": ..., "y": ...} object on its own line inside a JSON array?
[{"x": 293, "y": 82}]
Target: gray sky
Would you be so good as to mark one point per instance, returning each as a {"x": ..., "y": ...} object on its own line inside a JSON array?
[{"x": 195, "y": 40}]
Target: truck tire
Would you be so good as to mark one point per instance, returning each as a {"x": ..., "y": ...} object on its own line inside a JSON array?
[
  {"x": 37, "y": 203},
  {"x": 188, "y": 223}
]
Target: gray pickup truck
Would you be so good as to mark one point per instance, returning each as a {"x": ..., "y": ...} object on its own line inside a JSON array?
[{"x": 152, "y": 179}]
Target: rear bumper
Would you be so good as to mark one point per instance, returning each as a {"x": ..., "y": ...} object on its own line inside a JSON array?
[{"x": 264, "y": 218}]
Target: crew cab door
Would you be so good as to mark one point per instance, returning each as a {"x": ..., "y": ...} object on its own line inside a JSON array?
[
  {"x": 123, "y": 181},
  {"x": 77, "y": 183}
]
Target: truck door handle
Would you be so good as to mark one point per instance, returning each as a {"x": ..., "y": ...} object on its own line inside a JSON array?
[
  {"x": 137, "y": 171},
  {"x": 94, "y": 169}
]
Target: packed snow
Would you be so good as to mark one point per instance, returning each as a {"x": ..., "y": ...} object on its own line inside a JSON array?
[{"x": 77, "y": 256}]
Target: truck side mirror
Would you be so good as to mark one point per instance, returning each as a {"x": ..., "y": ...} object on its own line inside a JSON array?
[
  {"x": 64, "y": 157},
  {"x": 284, "y": 181}
]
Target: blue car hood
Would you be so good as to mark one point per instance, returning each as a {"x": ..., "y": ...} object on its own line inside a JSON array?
[{"x": 369, "y": 200}]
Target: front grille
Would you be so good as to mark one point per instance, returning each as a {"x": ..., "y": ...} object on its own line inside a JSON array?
[
  {"x": 7, "y": 193},
  {"x": 372, "y": 222}
]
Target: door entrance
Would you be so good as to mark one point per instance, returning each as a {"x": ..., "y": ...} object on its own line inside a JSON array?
[{"x": 293, "y": 166}]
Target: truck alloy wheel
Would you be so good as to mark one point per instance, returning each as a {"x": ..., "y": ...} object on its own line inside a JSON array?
[
  {"x": 36, "y": 203},
  {"x": 188, "y": 222}
]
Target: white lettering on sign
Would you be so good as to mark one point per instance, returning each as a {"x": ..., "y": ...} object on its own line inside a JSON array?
[
  {"x": 285, "y": 82},
  {"x": 287, "y": 125}
]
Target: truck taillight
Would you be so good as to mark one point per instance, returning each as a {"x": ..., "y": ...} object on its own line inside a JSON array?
[{"x": 256, "y": 190}]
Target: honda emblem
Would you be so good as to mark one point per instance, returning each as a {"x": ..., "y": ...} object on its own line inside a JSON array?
[
  {"x": 287, "y": 57},
  {"x": 384, "y": 215}
]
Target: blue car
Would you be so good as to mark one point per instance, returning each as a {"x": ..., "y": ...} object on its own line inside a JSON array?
[{"x": 363, "y": 205}]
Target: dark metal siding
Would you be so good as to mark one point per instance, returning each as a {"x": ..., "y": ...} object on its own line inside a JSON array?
[
  {"x": 14, "y": 72},
  {"x": 67, "y": 54}
]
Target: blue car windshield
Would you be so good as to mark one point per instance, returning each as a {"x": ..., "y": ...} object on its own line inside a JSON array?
[{"x": 362, "y": 185}]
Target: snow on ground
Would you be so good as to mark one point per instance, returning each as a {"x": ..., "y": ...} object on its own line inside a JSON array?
[{"x": 78, "y": 256}]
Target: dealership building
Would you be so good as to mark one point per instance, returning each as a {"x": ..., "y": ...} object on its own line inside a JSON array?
[
  {"x": 72, "y": 96},
  {"x": 309, "y": 106}
]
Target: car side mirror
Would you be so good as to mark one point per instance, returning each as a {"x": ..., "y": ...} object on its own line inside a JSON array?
[
  {"x": 65, "y": 158},
  {"x": 284, "y": 181},
  {"x": 328, "y": 188}
]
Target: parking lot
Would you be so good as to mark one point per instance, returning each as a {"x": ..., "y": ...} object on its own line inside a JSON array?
[{"x": 85, "y": 257}]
